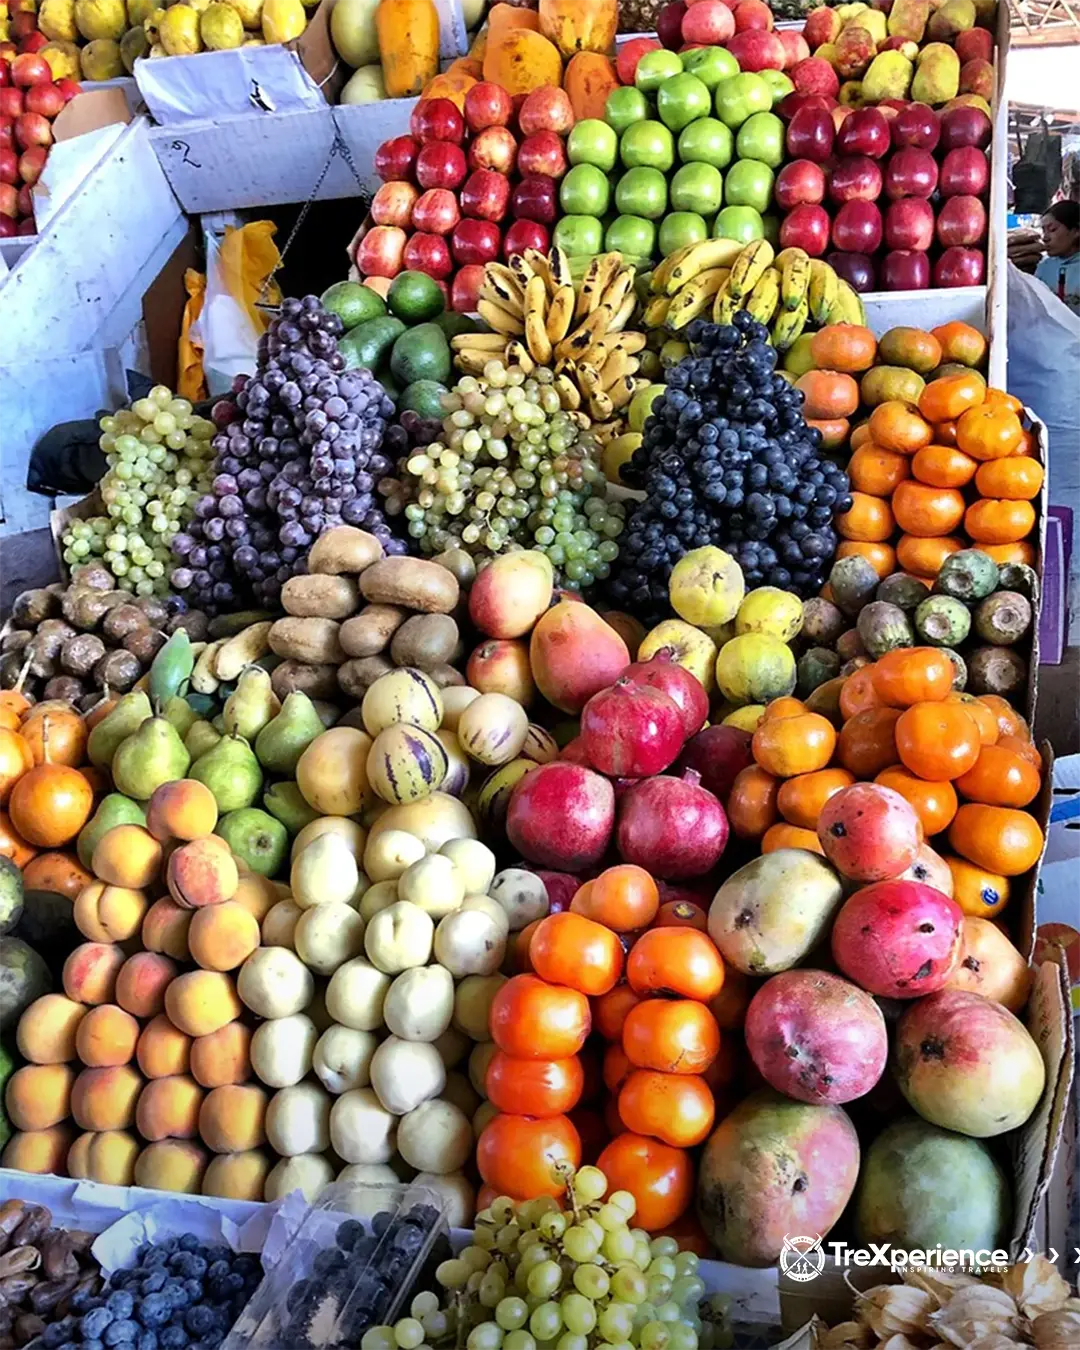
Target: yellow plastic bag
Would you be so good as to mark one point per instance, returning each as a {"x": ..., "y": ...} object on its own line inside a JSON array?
[
  {"x": 190, "y": 379},
  {"x": 247, "y": 257}
]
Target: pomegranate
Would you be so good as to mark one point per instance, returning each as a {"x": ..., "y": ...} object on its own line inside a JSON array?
[
  {"x": 869, "y": 832},
  {"x": 561, "y": 816},
  {"x": 672, "y": 827},
  {"x": 718, "y": 753},
  {"x": 898, "y": 939},
  {"x": 560, "y": 886},
  {"x": 631, "y": 730},
  {"x": 575, "y": 752},
  {"x": 683, "y": 688}
]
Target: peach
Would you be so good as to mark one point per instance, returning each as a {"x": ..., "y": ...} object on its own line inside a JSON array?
[
  {"x": 46, "y": 1032},
  {"x": 574, "y": 654},
  {"x": 107, "y": 1037},
  {"x": 223, "y": 1057},
  {"x": 109, "y": 913},
  {"x": 127, "y": 855},
  {"x": 202, "y": 873},
  {"x": 258, "y": 894},
  {"x": 38, "y": 1096},
  {"x": 169, "y": 1108},
  {"x": 90, "y": 972},
  {"x": 104, "y": 1099},
  {"x": 231, "y": 1119},
  {"x": 141, "y": 984},
  {"x": 171, "y": 1165},
  {"x": 165, "y": 929},
  {"x": 501, "y": 666},
  {"x": 162, "y": 1050},
  {"x": 222, "y": 937},
  {"x": 510, "y": 594},
  {"x": 39, "y": 1151},
  {"x": 237, "y": 1176},
  {"x": 107, "y": 1156},
  {"x": 183, "y": 809},
  {"x": 202, "y": 1001}
]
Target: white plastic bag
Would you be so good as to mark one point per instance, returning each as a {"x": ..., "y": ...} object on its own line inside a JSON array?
[
  {"x": 224, "y": 329},
  {"x": 1044, "y": 357}
]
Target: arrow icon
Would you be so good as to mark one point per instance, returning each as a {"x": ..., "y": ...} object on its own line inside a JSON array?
[
  {"x": 1026, "y": 1255},
  {"x": 1052, "y": 1255}
]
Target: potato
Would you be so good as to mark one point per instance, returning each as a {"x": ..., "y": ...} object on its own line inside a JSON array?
[
  {"x": 378, "y": 897},
  {"x": 309, "y": 1173},
  {"x": 453, "y": 1045},
  {"x": 470, "y": 942},
  {"x": 412, "y": 582},
  {"x": 434, "y": 820},
  {"x": 274, "y": 982},
  {"x": 354, "y": 835},
  {"x": 456, "y": 698},
  {"x": 474, "y": 863},
  {"x": 390, "y": 854},
  {"x": 405, "y": 695},
  {"x": 369, "y": 632},
  {"x": 364, "y": 1177},
  {"x": 281, "y": 1050},
  {"x": 317, "y": 596},
  {"x": 324, "y": 872},
  {"x": 493, "y": 729},
  {"x": 482, "y": 1055},
  {"x": 356, "y": 677},
  {"x": 435, "y": 1137},
  {"x": 461, "y": 1092},
  {"x": 433, "y": 884},
  {"x": 458, "y": 768},
  {"x": 456, "y": 1191},
  {"x": 298, "y": 1120},
  {"x": 315, "y": 681},
  {"x": 342, "y": 1058},
  {"x": 420, "y": 1003},
  {"x": 279, "y": 924},
  {"x": 312, "y": 640},
  {"x": 425, "y": 641},
  {"x": 328, "y": 935},
  {"x": 355, "y": 995},
  {"x": 472, "y": 1004},
  {"x": 522, "y": 894},
  {"x": 406, "y": 1073},
  {"x": 344, "y": 549},
  {"x": 399, "y": 937},
  {"x": 491, "y": 908}
]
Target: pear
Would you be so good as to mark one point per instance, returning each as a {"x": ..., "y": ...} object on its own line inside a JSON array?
[
  {"x": 133, "y": 46},
  {"x": 282, "y": 20},
  {"x": 101, "y": 59},
  {"x": 251, "y": 705},
  {"x": 101, "y": 19},
  {"x": 130, "y": 713},
  {"x": 201, "y": 737},
  {"x": 285, "y": 737},
  {"x": 231, "y": 772},
  {"x": 221, "y": 29},
  {"x": 153, "y": 755},
  {"x": 56, "y": 19},
  {"x": 286, "y": 803},
  {"x": 179, "y": 712},
  {"x": 113, "y": 809},
  {"x": 257, "y": 839}
]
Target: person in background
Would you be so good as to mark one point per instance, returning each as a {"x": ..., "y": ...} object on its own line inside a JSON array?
[{"x": 1060, "y": 269}]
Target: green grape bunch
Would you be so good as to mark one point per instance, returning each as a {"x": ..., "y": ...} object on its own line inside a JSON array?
[
  {"x": 160, "y": 463},
  {"x": 511, "y": 469}
]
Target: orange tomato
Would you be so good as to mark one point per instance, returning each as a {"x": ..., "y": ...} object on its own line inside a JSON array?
[
  {"x": 895, "y": 425},
  {"x": 1019, "y": 478},
  {"x": 998, "y": 398},
  {"x": 984, "y": 718},
  {"x": 912, "y": 675},
  {"x": 535, "y": 1020},
  {"x": 937, "y": 741},
  {"x": 1009, "y": 721},
  {"x": 929, "y": 512},
  {"x": 922, "y": 557},
  {"x": 534, "y": 1087},
  {"x": 934, "y": 803},
  {"x": 681, "y": 914},
  {"x": 977, "y": 891},
  {"x": 751, "y": 804},
  {"x": 14, "y": 699},
  {"x": 948, "y": 398},
  {"x": 9, "y": 718},
  {"x": 519, "y": 948},
  {"x": 1023, "y": 551},
  {"x": 790, "y": 745},
  {"x": 860, "y": 435},
  {"x": 659, "y": 1177},
  {"x": 609, "y": 1011},
  {"x": 943, "y": 466},
  {"x": 50, "y": 804},
  {"x": 858, "y": 694},
  {"x": 869, "y": 519},
  {"x": 801, "y": 798},
  {"x": 989, "y": 432},
  {"x": 1000, "y": 778},
  {"x": 15, "y": 760},
  {"x": 998, "y": 838},
  {"x": 730, "y": 1005},
  {"x": 616, "y": 1067},
  {"x": 55, "y": 733},
  {"x": 999, "y": 522},
  {"x": 876, "y": 471},
  {"x": 834, "y": 430},
  {"x": 676, "y": 1108},
  {"x": 623, "y": 898},
  {"x": 960, "y": 342},
  {"x": 945, "y": 433},
  {"x": 881, "y": 557},
  {"x": 671, "y": 1036},
  {"x": 828, "y": 394},
  {"x": 577, "y": 952},
  {"x": 783, "y": 707},
  {"x": 523, "y": 1156},
  {"x": 675, "y": 961},
  {"x": 1019, "y": 746},
  {"x": 782, "y": 835},
  {"x": 867, "y": 742},
  {"x": 59, "y": 872},
  {"x": 12, "y": 844}
]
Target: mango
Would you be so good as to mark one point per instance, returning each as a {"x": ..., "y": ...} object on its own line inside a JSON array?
[
  {"x": 954, "y": 16},
  {"x": 908, "y": 19},
  {"x": 889, "y": 76},
  {"x": 574, "y": 654},
  {"x": 855, "y": 49},
  {"x": 937, "y": 75}
]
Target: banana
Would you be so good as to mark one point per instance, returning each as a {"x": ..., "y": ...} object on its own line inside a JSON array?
[
  {"x": 502, "y": 320},
  {"x": 560, "y": 313},
  {"x": 568, "y": 392},
  {"x": 762, "y": 302},
  {"x": 588, "y": 378},
  {"x": 695, "y": 297},
  {"x": 521, "y": 269},
  {"x": 794, "y": 277},
  {"x": 618, "y": 289},
  {"x": 242, "y": 650},
  {"x": 583, "y": 336},
  {"x": 700, "y": 257},
  {"x": 724, "y": 306},
  {"x": 472, "y": 362},
  {"x": 505, "y": 283},
  {"x": 848, "y": 307},
  {"x": 598, "y": 276},
  {"x": 536, "y": 337},
  {"x": 821, "y": 295},
  {"x": 658, "y": 279},
  {"x": 624, "y": 314},
  {"x": 601, "y": 407},
  {"x": 748, "y": 267},
  {"x": 621, "y": 392},
  {"x": 559, "y": 266},
  {"x": 480, "y": 342},
  {"x": 630, "y": 342},
  {"x": 517, "y": 354},
  {"x": 789, "y": 324},
  {"x": 655, "y": 311},
  {"x": 541, "y": 266},
  {"x": 616, "y": 367},
  {"x": 203, "y": 680}
]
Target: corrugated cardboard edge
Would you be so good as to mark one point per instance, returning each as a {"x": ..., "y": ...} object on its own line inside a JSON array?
[
  {"x": 90, "y": 505},
  {"x": 92, "y": 110}
]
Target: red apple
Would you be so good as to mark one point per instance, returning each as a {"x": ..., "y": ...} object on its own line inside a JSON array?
[
  {"x": 546, "y": 109},
  {"x": 974, "y": 44},
  {"x": 9, "y": 200},
  {"x": 25, "y": 198},
  {"x": 8, "y": 228},
  {"x": 965, "y": 172},
  {"x": 753, "y": 14},
  {"x": 29, "y": 68},
  {"x": 801, "y": 181},
  {"x": 822, "y": 26},
  {"x": 856, "y": 177},
  {"x": 9, "y": 166},
  {"x": 962, "y": 126},
  {"x": 475, "y": 241},
  {"x": 865, "y": 132},
  {"x": 857, "y": 227},
  {"x": 487, "y": 105},
  {"x": 5, "y": 72},
  {"x": 630, "y": 53},
  {"x": 23, "y": 23},
  {"x": 7, "y": 133},
  {"x": 485, "y": 194},
  {"x": 905, "y": 269},
  {"x": 909, "y": 224},
  {"x": 32, "y": 129},
  {"x": 8, "y": 51},
  {"x": 710, "y": 26},
  {"x": 857, "y": 269},
  {"x": 436, "y": 211},
  {"x": 395, "y": 159},
  {"x": 795, "y": 49},
  {"x": 810, "y": 135},
  {"x": 440, "y": 164},
  {"x": 428, "y": 253},
  {"x": 911, "y": 173},
  {"x": 69, "y": 88},
  {"x": 814, "y": 75},
  {"x": 27, "y": 226},
  {"x": 34, "y": 42},
  {"x": 807, "y": 227},
  {"x": 380, "y": 252},
  {"x": 961, "y": 222},
  {"x": 495, "y": 148},
  {"x": 393, "y": 203},
  {"x": 437, "y": 119},
  {"x": 960, "y": 267},
  {"x": 755, "y": 50},
  {"x": 840, "y": 114},
  {"x": 465, "y": 290},
  {"x": 542, "y": 152},
  {"x": 917, "y": 125},
  {"x": 31, "y": 163},
  {"x": 535, "y": 198},
  {"x": 11, "y": 102},
  {"x": 790, "y": 104},
  {"x": 525, "y": 234},
  {"x": 46, "y": 99},
  {"x": 669, "y": 24}
]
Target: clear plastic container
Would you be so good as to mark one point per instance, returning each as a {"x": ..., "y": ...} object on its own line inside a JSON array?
[{"x": 360, "y": 1252}]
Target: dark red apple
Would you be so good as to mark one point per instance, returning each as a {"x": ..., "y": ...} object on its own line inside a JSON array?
[
  {"x": 965, "y": 172},
  {"x": 525, "y": 234},
  {"x": 790, "y": 104},
  {"x": 475, "y": 241},
  {"x": 441, "y": 164},
  {"x": 542, "y": 152},
  {"x": 961, "y": 222},
  {"x": 855, "y": 178},
  {"x": 911, "y": 173},
  {"x": 485, "y": 194},
  {"x": 27, "y": 226},
  {"x": 28, "y": 68},
  {"x": 437, "y": 119},
  {"x": 9, "y": 165},
  {"x": 34, "y": 42},
  {"x": 857, "y": 269},
  {"x": 810, "y": 134},
  {"x": 916, "y": 124},
  {"x": 465, "y": 290},
  {"x": 11, "y": 102},
  {"x": 669, "y": 25},
  {"x": 31, "y": 163},
  {"x": 965, "y": 126},
  {"x": 23, "y": 23},
  {"x": 960, "y": 267},
  {"x": 436, "y": 211},
  {"x": 8, "y": 228},
  {"x": 800, "y": 182},
  {"x": 807, "y": 227},
  {"x": 7, "y": 133},
  {"x": 857, "y": 227},
  {"x": 535, "y": 198},
  {"x": 495, "y": 148},
  {"x": 865, "y": 132},
  {"x": 396, "y": 159},
  {"x": 909, "y": 223},
  {"x": 46, "y": 99},
  {"x": 25, "y": 198},
  {"x": 905, "y": 269},
  {"x": 487, "y": 105},
  {"x": 428, "y": 253},
  {"x": 69, "y": 88},
  {"x": 32, "y": 129}
]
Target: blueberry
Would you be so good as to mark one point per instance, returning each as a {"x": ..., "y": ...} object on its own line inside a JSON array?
[
  {"x": 154, "y": 1282},
  {"x": 219, "y": 1269},
  {"x": 155, "y": 1310},
  {"x": 122, "y": 1332},
  {"x": 147, "y": 1340},
  {"x": 55, "y": 1335},
  {"x": 189, "y": 1243},
  {"x": 173, "y": 1338},
  {"x": 158, "y": 1257},
  {"x": 79, "y": 1301},
  {"x": 94, "y": 1323},
  {"x": 169, "y": 1244},
  {"x": 92, "y": 1344},
  {"x": 247, "y": 1264},
  {"x": 198, "y": 1320},
  {"x": 194, "y": 1289}
]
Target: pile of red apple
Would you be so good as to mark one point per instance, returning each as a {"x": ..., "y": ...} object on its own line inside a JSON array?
[
  {"x": 892, "y": 196},
  {"x": 29, "y": 100},
  {"x": 745, "y": 27},
  {"x": 464, "y": 188}
]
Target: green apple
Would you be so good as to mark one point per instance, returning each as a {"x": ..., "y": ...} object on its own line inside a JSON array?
[
  {"x": 593, "y": 142},
  {"x": 647, "y": 144},
  {"x": 779, "y": 83},
  {"x": 681, "y": 100},
  {"x": 771, "y": 226},
  {"x": 707, "y": 141},
  {"x": 654, "y": 68},
  {"x": 681, "y": 228},
  {"x": 761, "y": 137},
  {"x": 710, "y": 65},
  {"x": 584, "y": 191},
  {"x": 749, "y": 183},
  {"x": 740, "y": 97},
  {"x": 741, "y": 223},
  {"x": 624, "y": 107},
  {"x": 632, "y": 236},
  {"x": 642, "y": 192},
  {"x": 580, "y": 236},
  {"x": 697, "y": 187}
]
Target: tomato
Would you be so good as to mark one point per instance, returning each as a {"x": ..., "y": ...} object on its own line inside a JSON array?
[
  {"x": 577, "y": 952},
  {"x": 678, "y": 961},
  {"x": 610, "y": 1009},
  {"x": 534, "y": 1020},
  {"x": 676, "y": 1108},
  {"x": 522, "y": 1156},
  {"x": 673, "y": 1036},
  {"x": 681, "y": 914},
  {"x": 616, "y": 1067},
  {"x": 659, "y": 1177},
  {"x": 623, "y": 899},
  {"x": 534, "y": 1087}
]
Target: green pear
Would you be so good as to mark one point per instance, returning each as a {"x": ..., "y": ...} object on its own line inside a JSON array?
[
  {"x": 231, "y": 772},
  {"x": 218, "y": 723},
  {"x": 251, "y": 705},
  {"x": 285, "y": 737},
  {"x": 113, "y": 809},
  {"x": 201, "y": 737},
  {"x": 130, "y": 713},
  {"x": 257, "y": 839},
  {"x": 181, "y": 714},
  {"x": 153, "y": 755},
  {"x": 286, "y": 802}
]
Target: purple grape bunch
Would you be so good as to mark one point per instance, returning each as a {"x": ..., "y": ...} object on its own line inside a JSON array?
[{"x": 299, "y": 450}]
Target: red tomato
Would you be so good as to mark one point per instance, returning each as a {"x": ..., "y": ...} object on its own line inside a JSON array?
[
  {"x": 659, "y": 1177},
  {"x": 520, "y": 1155},
  {"x": 577, "y": 952},
  {"x": 534, "y": 1020},
  {"x": 534, "y": 1087},
  {"x": 678, "y": 961}
]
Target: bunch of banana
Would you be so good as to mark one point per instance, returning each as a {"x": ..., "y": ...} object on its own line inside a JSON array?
[{"x": 683, "y": 286}]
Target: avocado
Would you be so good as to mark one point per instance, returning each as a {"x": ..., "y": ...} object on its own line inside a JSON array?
[
  {"x": 353, "y": 303},
  {"x": 389, "y": 383},
  {"x": 453, "y": 324},
  {"x": 421, "y": 353},
  {"x": 424, "y": 397},
  {"x": 11, "y": 895},
  {"x": 415, "y": 297},
  {"x": 368, "y": 343}
]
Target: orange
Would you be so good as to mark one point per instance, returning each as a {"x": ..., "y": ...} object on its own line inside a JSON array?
[
  {"x": 935, "y": 803},
  {"x": 937, "y": 741},
  {"x": 948, "y": 398},
  {"x": 943, "y": 466},
  {"x": 989, "y": 432}
]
